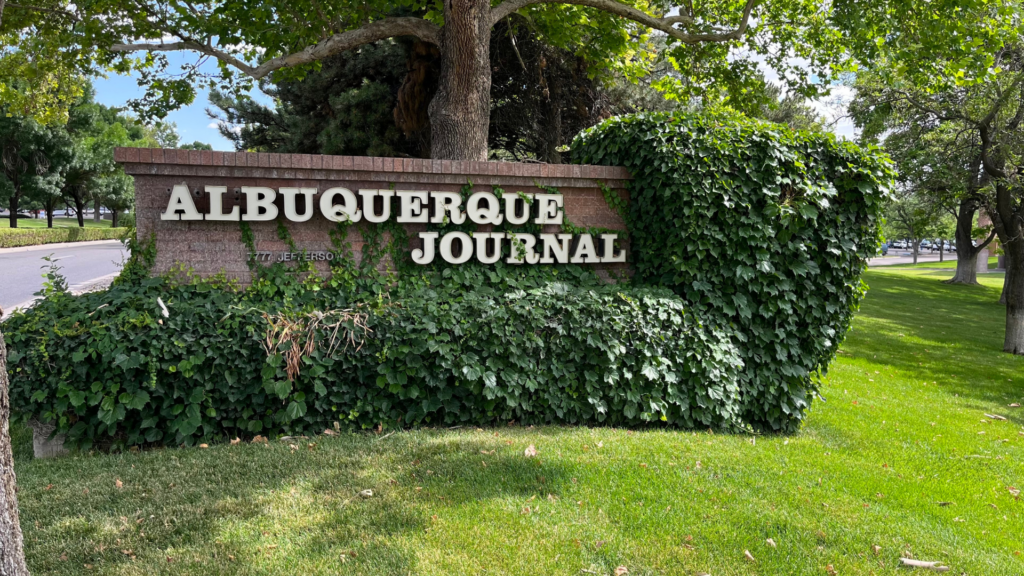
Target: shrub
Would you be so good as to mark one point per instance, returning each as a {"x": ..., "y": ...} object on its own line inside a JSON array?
[
  {"x": 127, "y": 220},
  {"x": 756, "y": 226},
  {"x": 14, "y": 237},
  {"x": 112, "y": 370}
]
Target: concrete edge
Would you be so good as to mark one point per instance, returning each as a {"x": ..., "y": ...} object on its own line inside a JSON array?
[{"x": 54, "y": 245}]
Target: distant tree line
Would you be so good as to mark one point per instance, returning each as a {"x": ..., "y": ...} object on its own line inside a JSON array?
[{"x": 70, "y": 164}]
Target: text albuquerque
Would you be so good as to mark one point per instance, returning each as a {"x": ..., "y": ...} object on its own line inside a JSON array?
[{"x": 484, "y": 208}]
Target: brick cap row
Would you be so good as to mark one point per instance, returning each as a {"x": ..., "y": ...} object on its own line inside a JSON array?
[{"x": 368, "y": 163}]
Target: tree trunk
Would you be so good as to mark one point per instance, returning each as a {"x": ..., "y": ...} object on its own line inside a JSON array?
[
  {"x": 417, "y": 91},
  {"x": 460, "y": 112},
  {"x": 80, "y": 210},
  {"x": 14, "y": 208},
  {"x": 551, "y": 135},
  {"x": 113, "y": 219},
  {"x": 966, "y": 252},
  {"x": 1013, "y": 292},
  {"x": 917, "y": 247},
  {"x": 1002, "y": 293},
  {"x": 96, "y": 214},
  {"x": 942, "y": 248},
  {"x": 12, "y": 555}
]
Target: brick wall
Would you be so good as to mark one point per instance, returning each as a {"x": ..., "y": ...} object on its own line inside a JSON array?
[{"x": 213, "y": 247}]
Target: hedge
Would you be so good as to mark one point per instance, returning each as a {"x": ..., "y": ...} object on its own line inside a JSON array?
[
  {"x": 111, "y": 370},
  {"x": 756, "y": 226},
  {"x": 14, "y": 237}
]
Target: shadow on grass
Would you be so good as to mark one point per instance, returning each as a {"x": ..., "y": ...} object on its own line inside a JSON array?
[
  {"x": 245, "y": 509},
  {"x": 943, "y": 333}
]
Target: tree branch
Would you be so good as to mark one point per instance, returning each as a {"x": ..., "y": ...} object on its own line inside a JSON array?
[
  {"x": 64, "y": 13},
  {"x": 372, "y": 32},
  {"x": 187, "y": 45},
  {"x": 983, "y": 245},
  {"x": 666, "y": 25}
]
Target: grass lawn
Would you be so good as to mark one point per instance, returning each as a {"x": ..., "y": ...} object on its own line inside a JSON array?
[
  {"x": 40, "y": 222},
  {"x": 901, "y": 456}
]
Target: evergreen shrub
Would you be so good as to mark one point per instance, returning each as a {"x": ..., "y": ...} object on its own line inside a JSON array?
[{"x": 757, "y": 227}]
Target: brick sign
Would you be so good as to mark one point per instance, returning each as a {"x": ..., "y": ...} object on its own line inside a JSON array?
[{"x": 193, "y": 203}]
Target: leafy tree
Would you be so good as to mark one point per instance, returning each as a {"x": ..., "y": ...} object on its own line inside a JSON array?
[
  {"x": 941, "y": 158},
  {"x": 966, "y": 66},
  {"x": 196, "y": 145},
  {"x": 791, "y": 109},
  {"x": 912, "y": 216},
  {"x": 541, "y": 95},
  {"x": 373, "y": 101},
  {"x": 39, "y": 77},
  {"x": 27, "y": 151},
  {"x": 716, "y": 47},
  {"x": 91, "y": 173}
]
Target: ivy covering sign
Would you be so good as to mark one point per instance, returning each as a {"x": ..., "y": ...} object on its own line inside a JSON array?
[
  {"x": 756, "y": 227},
  {"x": 747, "y": 241}
]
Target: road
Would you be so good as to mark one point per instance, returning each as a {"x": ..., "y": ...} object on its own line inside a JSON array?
[
  {"x": 21, "y": 269},
  {"x": 903, "y": 257}
]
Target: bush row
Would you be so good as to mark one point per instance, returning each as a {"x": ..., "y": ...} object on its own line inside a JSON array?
[
  {"x": 14, "y": 237},
  {"x": 111, "y": 369}
]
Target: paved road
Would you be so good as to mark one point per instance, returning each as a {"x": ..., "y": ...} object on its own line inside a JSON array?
[
  {"x": 904, "y": 257},
  {"x": 21, "y": 268}
]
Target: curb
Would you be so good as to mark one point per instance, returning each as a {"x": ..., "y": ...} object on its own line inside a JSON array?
[{"x": 54, "y": 245}]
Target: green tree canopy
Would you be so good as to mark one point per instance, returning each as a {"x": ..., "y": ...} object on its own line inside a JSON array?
[{"x": 716, "y": 47}]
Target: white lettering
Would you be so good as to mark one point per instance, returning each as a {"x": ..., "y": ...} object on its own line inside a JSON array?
[
  {"x": 466, "y": 244},
  {"x": 425, "y": 255},
  {"x": 256, "y": 198},
  {"x": 481, "y": 246},
  {"x": 370, "y": 211},
  {"x": 586, "y": 252},
  {"x": 513, "y": 200},
  {"x": 608, "y": 241},
  {"x": 349, "y": 211},
  {"x": 549, "y": 208},
  {"x": 181, "y": 199},
  {"x": 522, "y": 249},
  {"x": 447, "y": 203},
  {"x": 489, "y": 215},
  {"x": 217, "y": 206},
  {"x": 556, "y": 245},
  {"x": 289, "y": 203},
  {"x": 411, "y": 207}
]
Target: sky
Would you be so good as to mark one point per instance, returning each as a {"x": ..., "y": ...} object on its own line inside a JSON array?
[
  {"x": 192, "y": 121},
  {"x": 194, "y": 124}
]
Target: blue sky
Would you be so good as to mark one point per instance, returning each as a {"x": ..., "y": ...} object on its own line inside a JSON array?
[{"x": 192, "y": 121}]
